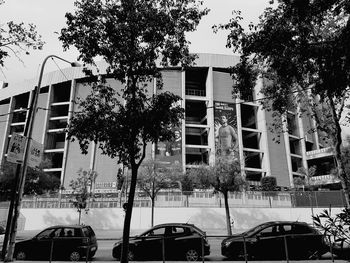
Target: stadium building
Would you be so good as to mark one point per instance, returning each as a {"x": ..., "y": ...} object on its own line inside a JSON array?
[{"x": 206, "y": 90}]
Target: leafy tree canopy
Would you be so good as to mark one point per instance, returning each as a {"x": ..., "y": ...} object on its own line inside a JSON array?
[
  {"x": 16, "y": 38},
  {"x": 37, "y": 181},
  {"x": 301, "y": 50},
  {"x": 133, "y": 37}
]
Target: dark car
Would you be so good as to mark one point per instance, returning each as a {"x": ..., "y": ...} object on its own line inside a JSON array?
[
  {"x": 71, "y": 242},
  {"x": 181, "y": 241},
  {"x": 269, "y": 241}
]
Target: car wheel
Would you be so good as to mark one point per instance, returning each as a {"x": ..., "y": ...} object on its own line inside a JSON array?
[
  {"x": 191, "y": 255},
  {"x": 21, "y": 255},
  {"x": 74, "y": 256}
]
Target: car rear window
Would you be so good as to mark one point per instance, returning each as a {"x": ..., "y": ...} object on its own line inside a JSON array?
[
  {"x": 88, "y": 232},
  {"x": 197, "y": 230},
  {"x": 301, "y": 229}
]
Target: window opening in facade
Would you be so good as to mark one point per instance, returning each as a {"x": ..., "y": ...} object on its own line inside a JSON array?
[
  {"x": 21, "y": 101},
  {"x": 16, "y": 129},
  {"x": 19, "y": 116},
  {"x": 55, "y": 140},
  {"x": 324, "y": 166},
  {"x": 253, "y": 159},
  {"x": 295, "y": 146},
  {"x": 251, "y": 139},
  {"x": 59, "y": 110},
  {"x": 196, "y": 112},
  {"x": 196, "y": 156},
  {"x": 61, "y": 92},
  {"x": 296, "y": 164},
  {"x": 44, "y": 90},
  {"x": 195, "y": 80},
  {"x": 56, "y": 159},
  {"x": 292, "y": 124},
  {"x": 248, "y": 116},
  {"x": 58, "y": 124},
  {"x": 196, "y": 136}
]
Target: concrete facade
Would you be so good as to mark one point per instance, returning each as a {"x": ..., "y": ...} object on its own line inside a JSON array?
[{"x": 206, "y": 90}]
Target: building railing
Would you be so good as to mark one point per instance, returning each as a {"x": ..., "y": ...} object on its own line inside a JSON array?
[
  {"x": 195, "y": 92},
  {"x": 195, "y": 199}
]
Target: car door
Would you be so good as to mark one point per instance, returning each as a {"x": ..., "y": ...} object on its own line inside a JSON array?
[
  {"x": 150, "y": 244},
  {"x": 176, "y": 241},
  {"x": 41, "y": 244},
  {"x": 66, "y": 241},
  {"x": 303, "y": 242},
  {"x": 269, "y": 243}
]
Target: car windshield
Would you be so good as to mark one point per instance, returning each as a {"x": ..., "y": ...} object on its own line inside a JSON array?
[{"x": 256, "y": 229}]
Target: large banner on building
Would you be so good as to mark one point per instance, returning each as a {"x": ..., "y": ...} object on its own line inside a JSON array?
[
  {"x": 225, "y": 125},
  {"x": 170, "y": 152}
]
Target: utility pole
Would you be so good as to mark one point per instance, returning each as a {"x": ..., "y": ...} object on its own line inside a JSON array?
[{"x": 21, "y": 170}]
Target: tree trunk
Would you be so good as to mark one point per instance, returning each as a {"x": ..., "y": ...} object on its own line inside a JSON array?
[
  {"x": 152, "y": 212},
  {"x": 79, "y": 211},
  {"x": 338, "y": 141},
  {"x": 127, "y": 220},
  {"x": 227, "y": 210}
]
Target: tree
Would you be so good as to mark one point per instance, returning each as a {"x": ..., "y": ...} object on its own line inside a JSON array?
[
  {"x": 187, "y": 186},
  {"x": 153, "y": 177},
  {"x": 16, "y": 38},
  {"x": 132, "y": 36},
  {"x": 82, "y": 187},
  {"x": 224, "y": 177},
  {"x": 336, "y": 230},
  {"x": 300, "y": 49},
  {"x": 269, "y": 186},
  {"x": 37, "y": 181}
]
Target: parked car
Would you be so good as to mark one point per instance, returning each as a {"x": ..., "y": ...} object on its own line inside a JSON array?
[
  {"x": 181, "y": 241},
  {"x": 71, "y": 242},
  {"x": 269, "y": 241}
]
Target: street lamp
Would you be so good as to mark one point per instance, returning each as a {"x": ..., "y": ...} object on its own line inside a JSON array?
[{"x": 21, "y": 170}]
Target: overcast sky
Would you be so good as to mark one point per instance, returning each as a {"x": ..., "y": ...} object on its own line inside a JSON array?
[{"x": 48, "y": 15}]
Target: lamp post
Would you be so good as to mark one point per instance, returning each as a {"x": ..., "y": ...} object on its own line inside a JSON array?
[{"x": 21, "y": 169}]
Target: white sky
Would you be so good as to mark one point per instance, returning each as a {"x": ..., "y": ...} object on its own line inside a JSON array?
[{"x": 48, "y": 16}]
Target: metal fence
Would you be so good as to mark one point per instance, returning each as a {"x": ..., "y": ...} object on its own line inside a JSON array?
[{"x": 195, "y": 199}]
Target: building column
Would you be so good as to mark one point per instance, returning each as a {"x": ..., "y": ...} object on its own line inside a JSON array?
[
  {"x": 261, "y": 116},
  {"x": 66, "y": 142},
  {"x": 302, "y": 140},
  {"x": 238, "y": 102},
  {"x": 7, "y": 130},
  {"x": 183, "y": 124},
  {"x": 210, "y": 115},
  {"x": 287, "y": 148}
]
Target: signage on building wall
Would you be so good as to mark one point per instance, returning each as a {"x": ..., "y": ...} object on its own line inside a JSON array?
[
  {"x": 35, "y": 154},
  {"x": 105, "y": 185},
  {"x": 324, "y": 152},
  {"x": 323, "y": 179},
  {"x": 16, "y": 148},
  {"x": 170, "y": 152},
  {"x": 225, "y": 128}
]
